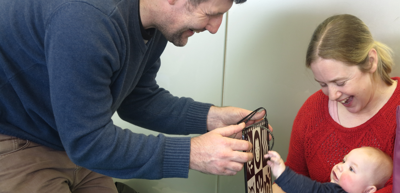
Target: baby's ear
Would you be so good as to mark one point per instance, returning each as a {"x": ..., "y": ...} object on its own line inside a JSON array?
[{"x": 370, "y": 189}]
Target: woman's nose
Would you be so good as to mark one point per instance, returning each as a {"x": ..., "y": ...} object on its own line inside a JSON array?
[{"x": 334, "y": 94}]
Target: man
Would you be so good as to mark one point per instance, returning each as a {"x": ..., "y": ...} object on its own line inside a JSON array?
[{"x": 68, "y": 66}]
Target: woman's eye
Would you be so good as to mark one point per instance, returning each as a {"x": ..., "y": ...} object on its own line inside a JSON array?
[{"x": 340, "y": 83}]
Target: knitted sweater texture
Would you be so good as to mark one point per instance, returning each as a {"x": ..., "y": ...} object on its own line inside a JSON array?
[
  {"x": 67, "y": 66},
  {"x": 318, "y": 143}
]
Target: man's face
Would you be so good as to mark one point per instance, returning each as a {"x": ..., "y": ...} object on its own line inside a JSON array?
[{"x": 185, "y": 19}]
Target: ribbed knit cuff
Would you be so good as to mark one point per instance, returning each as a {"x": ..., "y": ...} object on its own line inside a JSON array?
[
  {"x": 176, "y": 157},
  {"x": 196, "y": 120},
  {"x": 284, "y": 177}
]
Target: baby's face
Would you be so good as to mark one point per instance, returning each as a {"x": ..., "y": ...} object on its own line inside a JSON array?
[{"x": 354, "y": 174}]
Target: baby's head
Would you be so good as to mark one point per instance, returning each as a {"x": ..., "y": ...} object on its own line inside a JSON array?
[{"x": 363, "y": 170}]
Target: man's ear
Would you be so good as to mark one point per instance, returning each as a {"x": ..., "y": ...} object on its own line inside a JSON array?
[{"x": 370, "y": 189}]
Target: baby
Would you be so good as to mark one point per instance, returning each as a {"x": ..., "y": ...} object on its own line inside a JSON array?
[{"x": 363, "y": 170}]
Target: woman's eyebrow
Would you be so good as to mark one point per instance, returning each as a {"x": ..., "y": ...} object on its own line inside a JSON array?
[{"x": 334, "y": 80}]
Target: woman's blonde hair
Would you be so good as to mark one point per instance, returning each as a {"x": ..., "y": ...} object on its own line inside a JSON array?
[{"x": 347, "y": 39}]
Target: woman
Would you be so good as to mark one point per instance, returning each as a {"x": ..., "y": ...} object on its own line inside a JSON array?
[{"x": 357, "y": 103}]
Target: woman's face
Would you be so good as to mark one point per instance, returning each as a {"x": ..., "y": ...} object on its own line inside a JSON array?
[{"x": 345, "y": 84}]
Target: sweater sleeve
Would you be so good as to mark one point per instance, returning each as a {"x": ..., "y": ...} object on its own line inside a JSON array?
[
  {"x": 291, "y": 182},
  {"x": 81, "y": 54},
  {"x": 152, "y": 107}
]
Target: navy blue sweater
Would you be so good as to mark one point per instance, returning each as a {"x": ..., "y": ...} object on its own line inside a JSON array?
[
  {"x": 291, "y": 182},
  {"x": 67, "y": 66}
]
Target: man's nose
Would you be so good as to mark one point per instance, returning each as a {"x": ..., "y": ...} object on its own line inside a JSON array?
[{"x": 214, "y": 23}]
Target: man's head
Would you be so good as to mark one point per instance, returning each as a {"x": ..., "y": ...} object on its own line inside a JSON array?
[
  {"x": 182, "y": 18},
  {"x": 363, "y": 170}
]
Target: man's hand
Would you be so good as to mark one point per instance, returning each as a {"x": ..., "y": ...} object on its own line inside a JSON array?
[
  {"x": 216, "y": 153},
  {"x": 276, "y": 163},
  {"x": 219, "y": 117}
]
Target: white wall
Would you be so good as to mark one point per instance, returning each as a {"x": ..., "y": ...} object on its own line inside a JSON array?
[{"x": 265, "y": 50}]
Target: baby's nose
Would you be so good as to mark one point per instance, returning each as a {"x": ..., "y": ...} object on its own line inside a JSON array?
[{"x": 340, "y": 167}]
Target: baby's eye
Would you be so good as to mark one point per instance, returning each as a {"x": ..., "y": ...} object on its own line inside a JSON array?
[
  {"x": 351, "y": 169},
  {"x": 322, "y": 84}
]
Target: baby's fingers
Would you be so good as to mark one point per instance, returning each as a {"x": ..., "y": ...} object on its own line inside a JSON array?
[{"x": 272, "y": 156}]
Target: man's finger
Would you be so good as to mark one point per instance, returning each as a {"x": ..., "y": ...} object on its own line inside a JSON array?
[
  {"x": 242, "y": 157},
  {"x": 230, "y": 130}
]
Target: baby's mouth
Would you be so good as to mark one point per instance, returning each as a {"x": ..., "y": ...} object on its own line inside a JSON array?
[{"x": 335, "y": 178}]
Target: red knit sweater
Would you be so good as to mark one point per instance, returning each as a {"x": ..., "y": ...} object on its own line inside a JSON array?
[{"x": 318, "y": 143}]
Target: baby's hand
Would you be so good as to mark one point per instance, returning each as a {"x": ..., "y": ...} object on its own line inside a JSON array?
[{"x": 276, "y": 163}]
